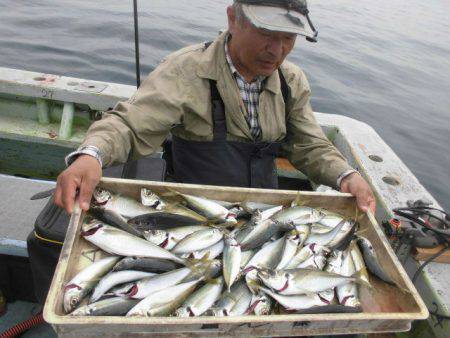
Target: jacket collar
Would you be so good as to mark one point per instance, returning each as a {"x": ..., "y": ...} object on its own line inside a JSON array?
[{"x": 213, "y": 62}]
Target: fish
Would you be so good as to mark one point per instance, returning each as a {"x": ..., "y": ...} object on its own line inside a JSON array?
[
  {"x": 305, "y": 253},
  {"x": 330, "y": 220},
  {"x": 208, "y": 208},
  {"x": 291, "y": 241},
  {"x": 146, "y": 286},
  {"x": 147, "y": 264},
  {"x": 372, "y": 261},
  {"x": 260, "y": 305},
  {"x": 210, "y": 252},
  {"x": 202, "y": 299},
  {"x": 232, "y": 303},
  {"x": 115, "y": 306},
  {"x": 167, "y": 239},
  {"x": 258, "y": 231},
  {"x": 334, "y": 238},
  {"x": 231, "y": 260},
  {"x": 298, "y": 302},
  {"x": 245, "y": 257},
  {"x": 298, "y": 215},
  {"x": 150, "y": 199},
  {"x": 83, "y": 282},
  {"x": 348, "y": 293},
  {"x": 121, "y": 243},
  {"x": 334, "y": 263},
  {"x": 301, "y": 281},
  {"x": 115, "y": 278},
  {"x": 163, "y": 221},
  {"x": 198, "y": 240},
  {"x": 358, "y": 261},
  {"x": 163, "y": 302},
  {"x": 267, "y": 257},
  {"x": 251, "y": 207},
  {"x": 316, "y": 261}
]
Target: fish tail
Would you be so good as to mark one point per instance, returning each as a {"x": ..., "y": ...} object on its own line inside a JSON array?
[{"x": 358, "y": 276}]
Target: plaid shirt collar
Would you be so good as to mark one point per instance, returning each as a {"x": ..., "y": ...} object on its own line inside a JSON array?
[{"x": 259, "y": 79}]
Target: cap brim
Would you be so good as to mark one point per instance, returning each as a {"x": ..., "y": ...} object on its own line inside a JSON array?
[{"x": 277, "y": 19}]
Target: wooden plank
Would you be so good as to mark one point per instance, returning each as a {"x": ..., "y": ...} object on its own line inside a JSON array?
[
  {"x": 422, "y": 254},
  {"x": 385, "y": 307}
]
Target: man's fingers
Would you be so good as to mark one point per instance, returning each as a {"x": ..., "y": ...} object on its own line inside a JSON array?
[
  {"x": 86, "y": 190},
  {"x": 68, "y": 196},
  {"x": 57, "y": 197}
]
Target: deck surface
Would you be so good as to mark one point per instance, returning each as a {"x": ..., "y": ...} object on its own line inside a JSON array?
[{"x": 18, "y": 212}]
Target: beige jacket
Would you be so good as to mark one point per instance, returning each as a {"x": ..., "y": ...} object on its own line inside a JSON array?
[{"x": 175, "y": 97}]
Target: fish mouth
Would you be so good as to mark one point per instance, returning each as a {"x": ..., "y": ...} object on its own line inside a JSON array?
[
  {"x": 91, "y": 231},
  {"x": 132, "y": 292},
  {"x": 326, "y": 301},
  {"x": 71, "y": 286},
  {"x": 285, "y": 286}
]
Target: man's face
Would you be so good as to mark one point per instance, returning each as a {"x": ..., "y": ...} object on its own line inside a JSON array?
[{"x": 256, "y": 51}]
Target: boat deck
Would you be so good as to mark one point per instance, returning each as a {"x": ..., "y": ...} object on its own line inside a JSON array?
[{"x": 18, "y": 212}]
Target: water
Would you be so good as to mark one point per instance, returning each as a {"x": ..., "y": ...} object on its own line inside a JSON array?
[{"x": 383, "y": 62}]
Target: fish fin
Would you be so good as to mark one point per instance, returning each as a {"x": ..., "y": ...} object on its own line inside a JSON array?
[
  {"x": 359, "y": 280},
  {"x": 297, "y": 200}
]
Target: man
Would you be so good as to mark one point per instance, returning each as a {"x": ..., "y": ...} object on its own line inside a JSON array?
[{"x": 230, "y": 106}]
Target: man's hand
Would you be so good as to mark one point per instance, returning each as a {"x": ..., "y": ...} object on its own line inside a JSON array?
[
  {"x": 83, "y": 175},
  {"x": 358, "y": 187}
]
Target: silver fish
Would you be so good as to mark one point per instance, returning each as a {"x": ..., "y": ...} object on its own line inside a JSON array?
[
  {"x": 163, "y": 302},
  {"x": 372, "y": 261},
  {"x": 301, "y": 281},
  {"x": 147, "y": 264},
  {"x": 150, "y": 199},
  {"x": 291, "y": 241},
  {"x": 299, "y": 302},
  {"x": 348, "y": 293},
  {"x": 267, "y": 257},
  {"x": 201, "y": 300},
  {"x": 232, "y": 303},
  {"x": 358, "y": 261},
  {"x": 251, "y": 207},
  {"x": 167, "y": 239},
  {"x": 116, "y": 306},
  {"x": 305, "y": 253},
  {"x": 198, "y": 271},
  {"x": 245, "y": 257},
  {"x": 260, "y": 305},
  {"x": 209, "y": 208},
  {"x": 198, "y": 240},
  {"x": 330, "y": 220},
  {"x": 333, "y": 238},
  {"x": 231, "y": 260},
  {"x": 316, "y": 261},
  {"x": 121, "y": 243},
  {"x": 210, "y": 252},
  {"x": 298, "y": 215},
  {"x": 334, "y": 263},
  {"x": 115, "y": 278},
  {"x": 256, "y": 233},
  {"x": 80, "y": 285}
]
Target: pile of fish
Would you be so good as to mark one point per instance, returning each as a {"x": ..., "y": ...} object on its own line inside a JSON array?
[{"x": 183, "y": 255}]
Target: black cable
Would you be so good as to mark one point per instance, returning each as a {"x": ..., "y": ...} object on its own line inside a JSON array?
[
  {"x": 429, "y": 260},
  {"x": 136, "y": 44}
]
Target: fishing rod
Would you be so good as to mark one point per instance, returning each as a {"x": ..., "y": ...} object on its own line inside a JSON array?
[
  {"x": 130, "y": 167},
  {"x": 136, "y": 44}
]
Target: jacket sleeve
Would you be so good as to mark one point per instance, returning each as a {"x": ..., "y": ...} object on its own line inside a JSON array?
[
  {"x": 306, "y": 146},
  {"x": 141, "y": 124}
]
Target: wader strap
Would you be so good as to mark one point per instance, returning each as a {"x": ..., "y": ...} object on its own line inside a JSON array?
[
  {"x": 218, "y": 113},
  {"x": 284, "y": 88}
]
